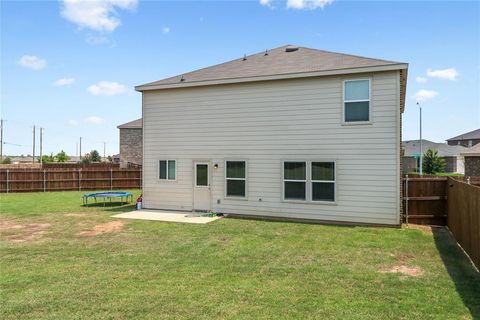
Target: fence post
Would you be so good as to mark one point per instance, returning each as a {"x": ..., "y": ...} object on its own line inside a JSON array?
[
  {"x": 44, "y": 181},
  {"x": 406, "y": 199},
  {"x": 7, "y": 181},
  {"x": 111, "y": 179},
  {"x": 79, "y": 179}
]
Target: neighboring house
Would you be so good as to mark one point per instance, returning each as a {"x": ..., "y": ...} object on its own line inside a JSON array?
[
  {"x": 131, "y": 143},
  {"x": 451, "y": 154},
  {"x": 291, "y": 133},
  {"x": 472, "y": 161},
  {"x": 468, "y": 139}
]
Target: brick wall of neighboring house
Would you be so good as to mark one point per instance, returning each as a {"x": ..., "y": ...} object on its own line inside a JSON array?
[
  {"x": 463, "y": 142},
  {"x": 130, "y": 146},
  {"x": 410, "y": 164},
  {"x": 472, "y": 166}
]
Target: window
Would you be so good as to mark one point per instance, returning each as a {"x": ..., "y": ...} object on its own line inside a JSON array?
[
  {"x": 294, "y": 180},
  {"x": 201, "y": 175},
  {"x": 167, "y": 170},
  {"x": 356, "y": 100},
  {"x": 235, "y": 178},
  {"x": 323, "y": 181}
]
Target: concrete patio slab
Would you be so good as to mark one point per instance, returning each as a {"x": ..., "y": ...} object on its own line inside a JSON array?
[{"x": 168, "y": 216}]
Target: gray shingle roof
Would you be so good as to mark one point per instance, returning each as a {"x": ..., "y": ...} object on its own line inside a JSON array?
[
  {"x": 475, "y": 134},
  {"x": 132, "y": 124},
  {"x": 412, "y": 147},
  {"x": 275, "y": 62}
]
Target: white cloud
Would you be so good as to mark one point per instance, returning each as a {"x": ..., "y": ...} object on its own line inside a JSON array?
[
  {"x": 447, "y": 74},
  {"x": 421, "y": 79},
  {"x": 266, "y": 3},
  {"x": 32, "y": 62},
  {"x": 73, "y": 122},
  {"x": 98, "y": 15},
  {"x": 94, "y": 120},
  {"x": 106, "y": 88},
  {"x": 424, "y": 95},
  {"x": 308, "y": 4},
  {"x": 165, "y": 30},
  {"x": 63, "y": 82}
]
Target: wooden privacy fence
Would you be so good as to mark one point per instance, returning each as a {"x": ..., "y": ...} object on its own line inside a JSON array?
[
  {"x": 34, "y": 180},
  {"x": 464, "y": 216}
]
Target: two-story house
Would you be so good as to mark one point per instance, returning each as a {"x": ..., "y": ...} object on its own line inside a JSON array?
[{"x": 290, "y": 133}]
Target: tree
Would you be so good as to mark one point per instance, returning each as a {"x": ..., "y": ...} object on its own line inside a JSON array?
[
  {"x": 109, "y": 159},
  {"x": 432, "y": 163},
  {"x": 87, "y": 159},
  {"x": 62, "y": 157},
  {"x": 7, "y": 160},
  {"x": 95, "y": 156},
  {"x": 48, "y": 158}
]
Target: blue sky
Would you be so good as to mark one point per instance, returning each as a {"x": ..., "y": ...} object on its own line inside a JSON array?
[{"x": 71, "y": 68}]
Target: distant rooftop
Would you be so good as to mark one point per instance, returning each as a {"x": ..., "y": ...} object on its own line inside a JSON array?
[
  {"x": 475, "y": 134},
  {"x": 412, "y": 147},
  {"x": 135, "y": 124}
]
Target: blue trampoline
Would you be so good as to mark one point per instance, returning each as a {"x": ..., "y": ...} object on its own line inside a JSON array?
[{"x": 108, "y": 195}]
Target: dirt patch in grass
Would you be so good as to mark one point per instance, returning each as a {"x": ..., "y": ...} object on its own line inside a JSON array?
[
  {"x": 23, "y": 232},
  {"x": 405, "y": 270},
  {"x": 109, "y": 227},
  {"x": 424, "y": 229},
  {"x": 75, "y": 214}
]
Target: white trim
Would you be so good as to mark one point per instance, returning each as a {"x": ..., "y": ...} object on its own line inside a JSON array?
[
  {"x": 349, "y": 123},
  {"x": 225, "y": 196},
  {"x": 389, "y": 67},
  {"x": 158, "y": 170}
]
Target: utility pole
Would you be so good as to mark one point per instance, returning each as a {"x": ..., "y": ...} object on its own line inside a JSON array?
[
  {"x": 421, "y": 146},
  {"x": 41, "y": 145},
  {"x": 1, "y": 139},
  {"x": 80, "y": 152},
  {"x": 33, "y": 153},
  {"x": 104, "y": 143}
]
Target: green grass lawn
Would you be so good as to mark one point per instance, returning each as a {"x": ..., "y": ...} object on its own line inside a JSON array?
[{"x": 51, "y": 267}]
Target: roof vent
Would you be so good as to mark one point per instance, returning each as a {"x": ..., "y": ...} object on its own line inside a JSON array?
[
  {"x": 182, "y": 79},
  {"x": 244, "y": 57},
  {"x": 291, "y": 49}
]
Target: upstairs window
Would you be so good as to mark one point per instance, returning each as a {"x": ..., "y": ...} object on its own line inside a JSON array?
[
  {"x": 167, "y": 170},
  {"x": 356, "y": 101},
  {"x": 236, "y": 178}
]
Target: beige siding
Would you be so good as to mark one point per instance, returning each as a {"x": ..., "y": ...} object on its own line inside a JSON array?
[{"x": 265, "y": 123}]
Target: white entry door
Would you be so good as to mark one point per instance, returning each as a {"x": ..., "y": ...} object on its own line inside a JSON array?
[{"x": 201, "y": 186}]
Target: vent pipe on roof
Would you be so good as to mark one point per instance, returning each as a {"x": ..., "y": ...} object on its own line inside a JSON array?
[
  {"x": 266, "y": 52},
  {"x": 244, "y": 57},
  {"x": 182, "y": 79},
  {"x": 291, "y": 49}
]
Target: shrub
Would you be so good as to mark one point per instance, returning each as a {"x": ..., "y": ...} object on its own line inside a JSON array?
[{"x": 432, "y": 163}]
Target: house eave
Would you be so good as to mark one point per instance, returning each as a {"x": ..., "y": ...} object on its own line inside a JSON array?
[{"x": 390, "y": 67}]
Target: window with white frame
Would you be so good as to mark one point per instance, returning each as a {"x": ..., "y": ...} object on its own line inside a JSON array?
[
  {"x": 236, "y": 178},
  {"x": 356, "y": 101},
  {"x": 294, "y": 180},
  {"x": 323, "y": 181},
  {"x": 167, "y": 170}
]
